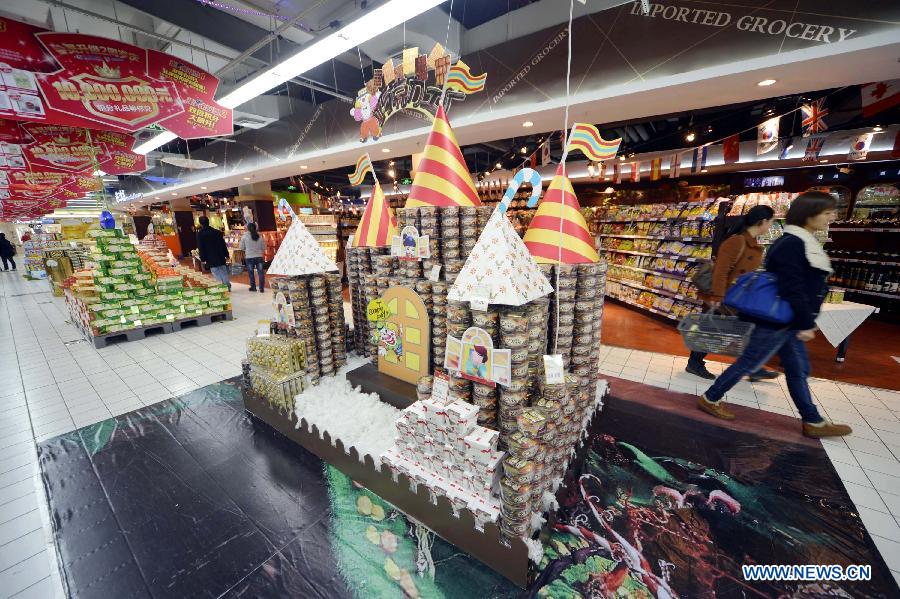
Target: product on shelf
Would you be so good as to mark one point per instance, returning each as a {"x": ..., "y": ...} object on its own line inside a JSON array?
[{"x": 277, "y": 369}]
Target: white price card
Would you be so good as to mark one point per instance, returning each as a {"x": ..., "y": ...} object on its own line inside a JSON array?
[
  {"x": 440, "y": 388},
  {"x": 138, "y": 323},
  {"x": 553, "y": 369},
  {"x": 262, "y": 329},
  {"x": 435, "y": 273}
]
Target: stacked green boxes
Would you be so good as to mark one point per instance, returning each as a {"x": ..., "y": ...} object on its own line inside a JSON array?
[
  {"x": 129, "y": 296},
  {"x": 125, "y": 290}
]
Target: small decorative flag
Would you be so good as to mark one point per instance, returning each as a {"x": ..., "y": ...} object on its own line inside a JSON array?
[
  {"x": 675, "y": 165},
  {"x": 363, "y": 166},
  {"x": 635, "y": 172},
  {"x": 860, "y": 146},
  {"x": 587, "y": 139},
  {"x": 731, "y": 148},
  {"x": 814, "y": 115},
  {"x": 879, "y": 96},
  {"x": 601, "y": 174},
  {"x": 461, "y": 79},
  {"x": 617, "y": 172},
  {"x": 786, "y": 146},
  {"x": 533, "y": 160},
  {"x": 813, "y": 147},
  {"x": 655, "y": 168},
  {"x": 767, "y": 136},
  {"x": 895, "y": 151},
  {"x": 545, "y": 152},
  {"x": 698, "y": 160}
]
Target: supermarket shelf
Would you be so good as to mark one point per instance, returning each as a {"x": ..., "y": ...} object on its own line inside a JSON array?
[
  {"x": 661, "y": 219},
  {"x": 893, "y": 296},
  {"x": 688, "y": 239},
  {"x": 648, "y": 309},
  {"x": 861, "y": 261},
  {"x": 670, "y": 275},
  {"x": 661, "y": 292},
  {"x": 865, "y": 230},
  {"x": 666, "y": 256}
]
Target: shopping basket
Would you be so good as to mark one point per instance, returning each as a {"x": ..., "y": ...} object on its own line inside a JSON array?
[{"x": 715, "y": 334}]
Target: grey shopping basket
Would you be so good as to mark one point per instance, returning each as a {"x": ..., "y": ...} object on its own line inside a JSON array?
[{"x": 715, "y": 334}]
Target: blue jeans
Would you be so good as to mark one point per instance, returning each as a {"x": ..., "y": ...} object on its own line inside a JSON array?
[
  {"x": 256, "y": 264},
  {"x": 765, "y": 343},
  {"x": 221, "y": 274}
]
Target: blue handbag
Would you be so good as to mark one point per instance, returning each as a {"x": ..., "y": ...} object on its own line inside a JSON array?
[{"x": 755, "y": 294}]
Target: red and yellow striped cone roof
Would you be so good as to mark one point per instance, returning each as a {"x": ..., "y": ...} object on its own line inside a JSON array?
[
  {"x": 378, "y": 225},
  {"x": 542, "y": 237},
  {"x": 442, "y": 177}
]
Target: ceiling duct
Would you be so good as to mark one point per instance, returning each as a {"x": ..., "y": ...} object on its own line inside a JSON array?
[{"x": 262, "y": 111}]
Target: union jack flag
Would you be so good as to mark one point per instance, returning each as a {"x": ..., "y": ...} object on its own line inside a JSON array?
[
  {"x": 814, "y": 117},
  {"x": 813, "y": 147}
]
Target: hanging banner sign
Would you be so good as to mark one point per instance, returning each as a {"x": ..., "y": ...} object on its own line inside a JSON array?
[{"x": 87, "y": 81}]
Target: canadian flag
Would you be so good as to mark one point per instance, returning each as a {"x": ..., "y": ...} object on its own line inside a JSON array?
[{"x": 879, "y": 96}]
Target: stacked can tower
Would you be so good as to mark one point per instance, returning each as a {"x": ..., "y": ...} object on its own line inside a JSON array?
[
  {"x": 439, "y": 324},
  {"x": 337, "y": 320},
  {"x": 358, "y": 264},
  {"x": 486, "y": 396}
]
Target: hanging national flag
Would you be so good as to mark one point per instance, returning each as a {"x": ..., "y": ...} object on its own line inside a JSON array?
[
  {"x": 860, "y": 146},
  {"x": 698, "y": 160},
  {"x": 461, "y": 79},
  {"x": 587, "y": 139},
  {"x": 635, "y": 172},
  {"x": 731, "y": 148},
  {"x": 675, "y": 166},
  {"x": 814, "y": 115},
  {"x": 767, "y": 136},
  {"x": 363, "y": 166},
  {"x": 617, "y": 172},
  {"x": 533, "y": 160},
  {"x": 813, "y": 147},
  {"x": 545, "y": 152},
  {"x": 895, "y": 151},
  {"x": 879, "y": 96},
  {"x": 655, "y": 168},
  {"x": 601, "y": 174}
]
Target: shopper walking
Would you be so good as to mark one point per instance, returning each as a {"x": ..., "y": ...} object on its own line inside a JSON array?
[
  {"x": 801, "y": 267},
  {"x": 7, "y": 251},
  {"x": 738, "y": 254},
  {"x": 254, "y": 247},
  {"x": 213, "y": 251}
]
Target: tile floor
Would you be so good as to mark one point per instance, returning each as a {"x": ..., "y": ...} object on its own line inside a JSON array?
[
  {"x": 53, "y": 382},
  {"x": 86, "y": 385}
]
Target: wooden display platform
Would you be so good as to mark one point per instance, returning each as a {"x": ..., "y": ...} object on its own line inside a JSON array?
[
  {"x": 138, "y": 333},
  {"x": 393, "y": 391},
  {"x": 507, "y": 557}
]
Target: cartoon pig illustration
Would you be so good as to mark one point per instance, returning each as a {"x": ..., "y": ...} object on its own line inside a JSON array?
[{"x": 362, "y": 111}]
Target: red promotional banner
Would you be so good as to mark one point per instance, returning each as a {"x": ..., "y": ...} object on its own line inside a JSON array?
[{"x": 87, "y": 81}]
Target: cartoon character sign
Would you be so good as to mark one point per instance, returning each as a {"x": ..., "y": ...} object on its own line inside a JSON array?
[
  {"x": 475, "y": 358},
  {"x": 409, "y": 245},
  {"x": 389, "y": 338},
  {"x": 363, "y": 112}
]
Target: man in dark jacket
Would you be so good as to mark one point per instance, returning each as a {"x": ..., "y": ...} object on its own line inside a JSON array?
[
  {"x": 213, "y": 251},
  {"x": 7, "y": 251}
]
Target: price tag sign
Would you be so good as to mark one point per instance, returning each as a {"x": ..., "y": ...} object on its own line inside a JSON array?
[
  {"x": 553, "y": 369},
  {"x": 480, "y": 299},
  {"x": 138, "y": 323},
  {"x": 52, "y": 263},
  {"x": 435, "y": 273},
  {"x": 440, "y": 388}
]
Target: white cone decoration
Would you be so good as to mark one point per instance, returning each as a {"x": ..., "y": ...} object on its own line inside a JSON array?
[
  {"x": 300, "y": 254},
  {"x": 501, "y": 265}
]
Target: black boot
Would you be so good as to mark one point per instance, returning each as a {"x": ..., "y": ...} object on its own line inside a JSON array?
[{"x": 699, "y": 370}]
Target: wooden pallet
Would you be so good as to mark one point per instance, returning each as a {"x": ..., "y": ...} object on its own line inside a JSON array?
[{"x": 139, "y": 333}]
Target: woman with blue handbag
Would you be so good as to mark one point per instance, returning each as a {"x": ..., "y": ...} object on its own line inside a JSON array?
[{"x": 783, "y": 302}]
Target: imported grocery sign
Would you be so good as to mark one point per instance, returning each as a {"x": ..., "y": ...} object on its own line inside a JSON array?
[{"x": 87, "y": 81}]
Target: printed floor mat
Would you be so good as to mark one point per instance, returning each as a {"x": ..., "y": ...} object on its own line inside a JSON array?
[{"x": 193, "y": 497}]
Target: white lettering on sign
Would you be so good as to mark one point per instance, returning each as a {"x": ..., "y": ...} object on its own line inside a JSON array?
[
  {"x": 812, "y": 32},
  {"x": 121, "y": 196}
]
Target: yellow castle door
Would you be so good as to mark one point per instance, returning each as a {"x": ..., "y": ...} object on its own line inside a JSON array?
[{"x": 409, "y": 312}]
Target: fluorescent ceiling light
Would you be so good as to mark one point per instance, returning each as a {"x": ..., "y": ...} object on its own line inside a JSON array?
[
  {"x": 370, "y": 25},
  {"x": 766, "y": 82}
]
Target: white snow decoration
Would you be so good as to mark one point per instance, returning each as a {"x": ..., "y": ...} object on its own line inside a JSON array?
[
  {"x": 537, "y": 520},
  {"x": 548, "y": 501},
  {"x": 330, "y": 404},
  {"x": 502, "y": 264},
  {"x": 300, "y": 254},
  {"x": 535, "y": 550}
]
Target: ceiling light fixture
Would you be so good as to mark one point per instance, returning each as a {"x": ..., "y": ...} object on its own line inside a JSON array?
[
  {"x": 621, "y": 158},
  {"x": 766, "y": 82},
  {"x": 524, "y": 150},
  {"x": 498, "y": 165},
  {"x": 876, "y": 128},
  {"x": 391, "y": 163},
  {"x": 691, "y": 136},
  {"x": 174, "y": 194},
  {"x": 303, "y": 167},
  {"x": 385, "y": 150},
  {"x": 528, "y": 124},
  {"x": 246, "y": 178},
  {"x": 202, "y": 187},
  {"x": 369, "y": 26},
  {"x": 392, "y": 174},
  {"x": 823, "y": 161}
]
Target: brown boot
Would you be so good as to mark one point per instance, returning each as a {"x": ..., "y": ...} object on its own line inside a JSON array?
[
  {"x": 714, "y": 408},
  {"x": 827, "y": 429}
]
